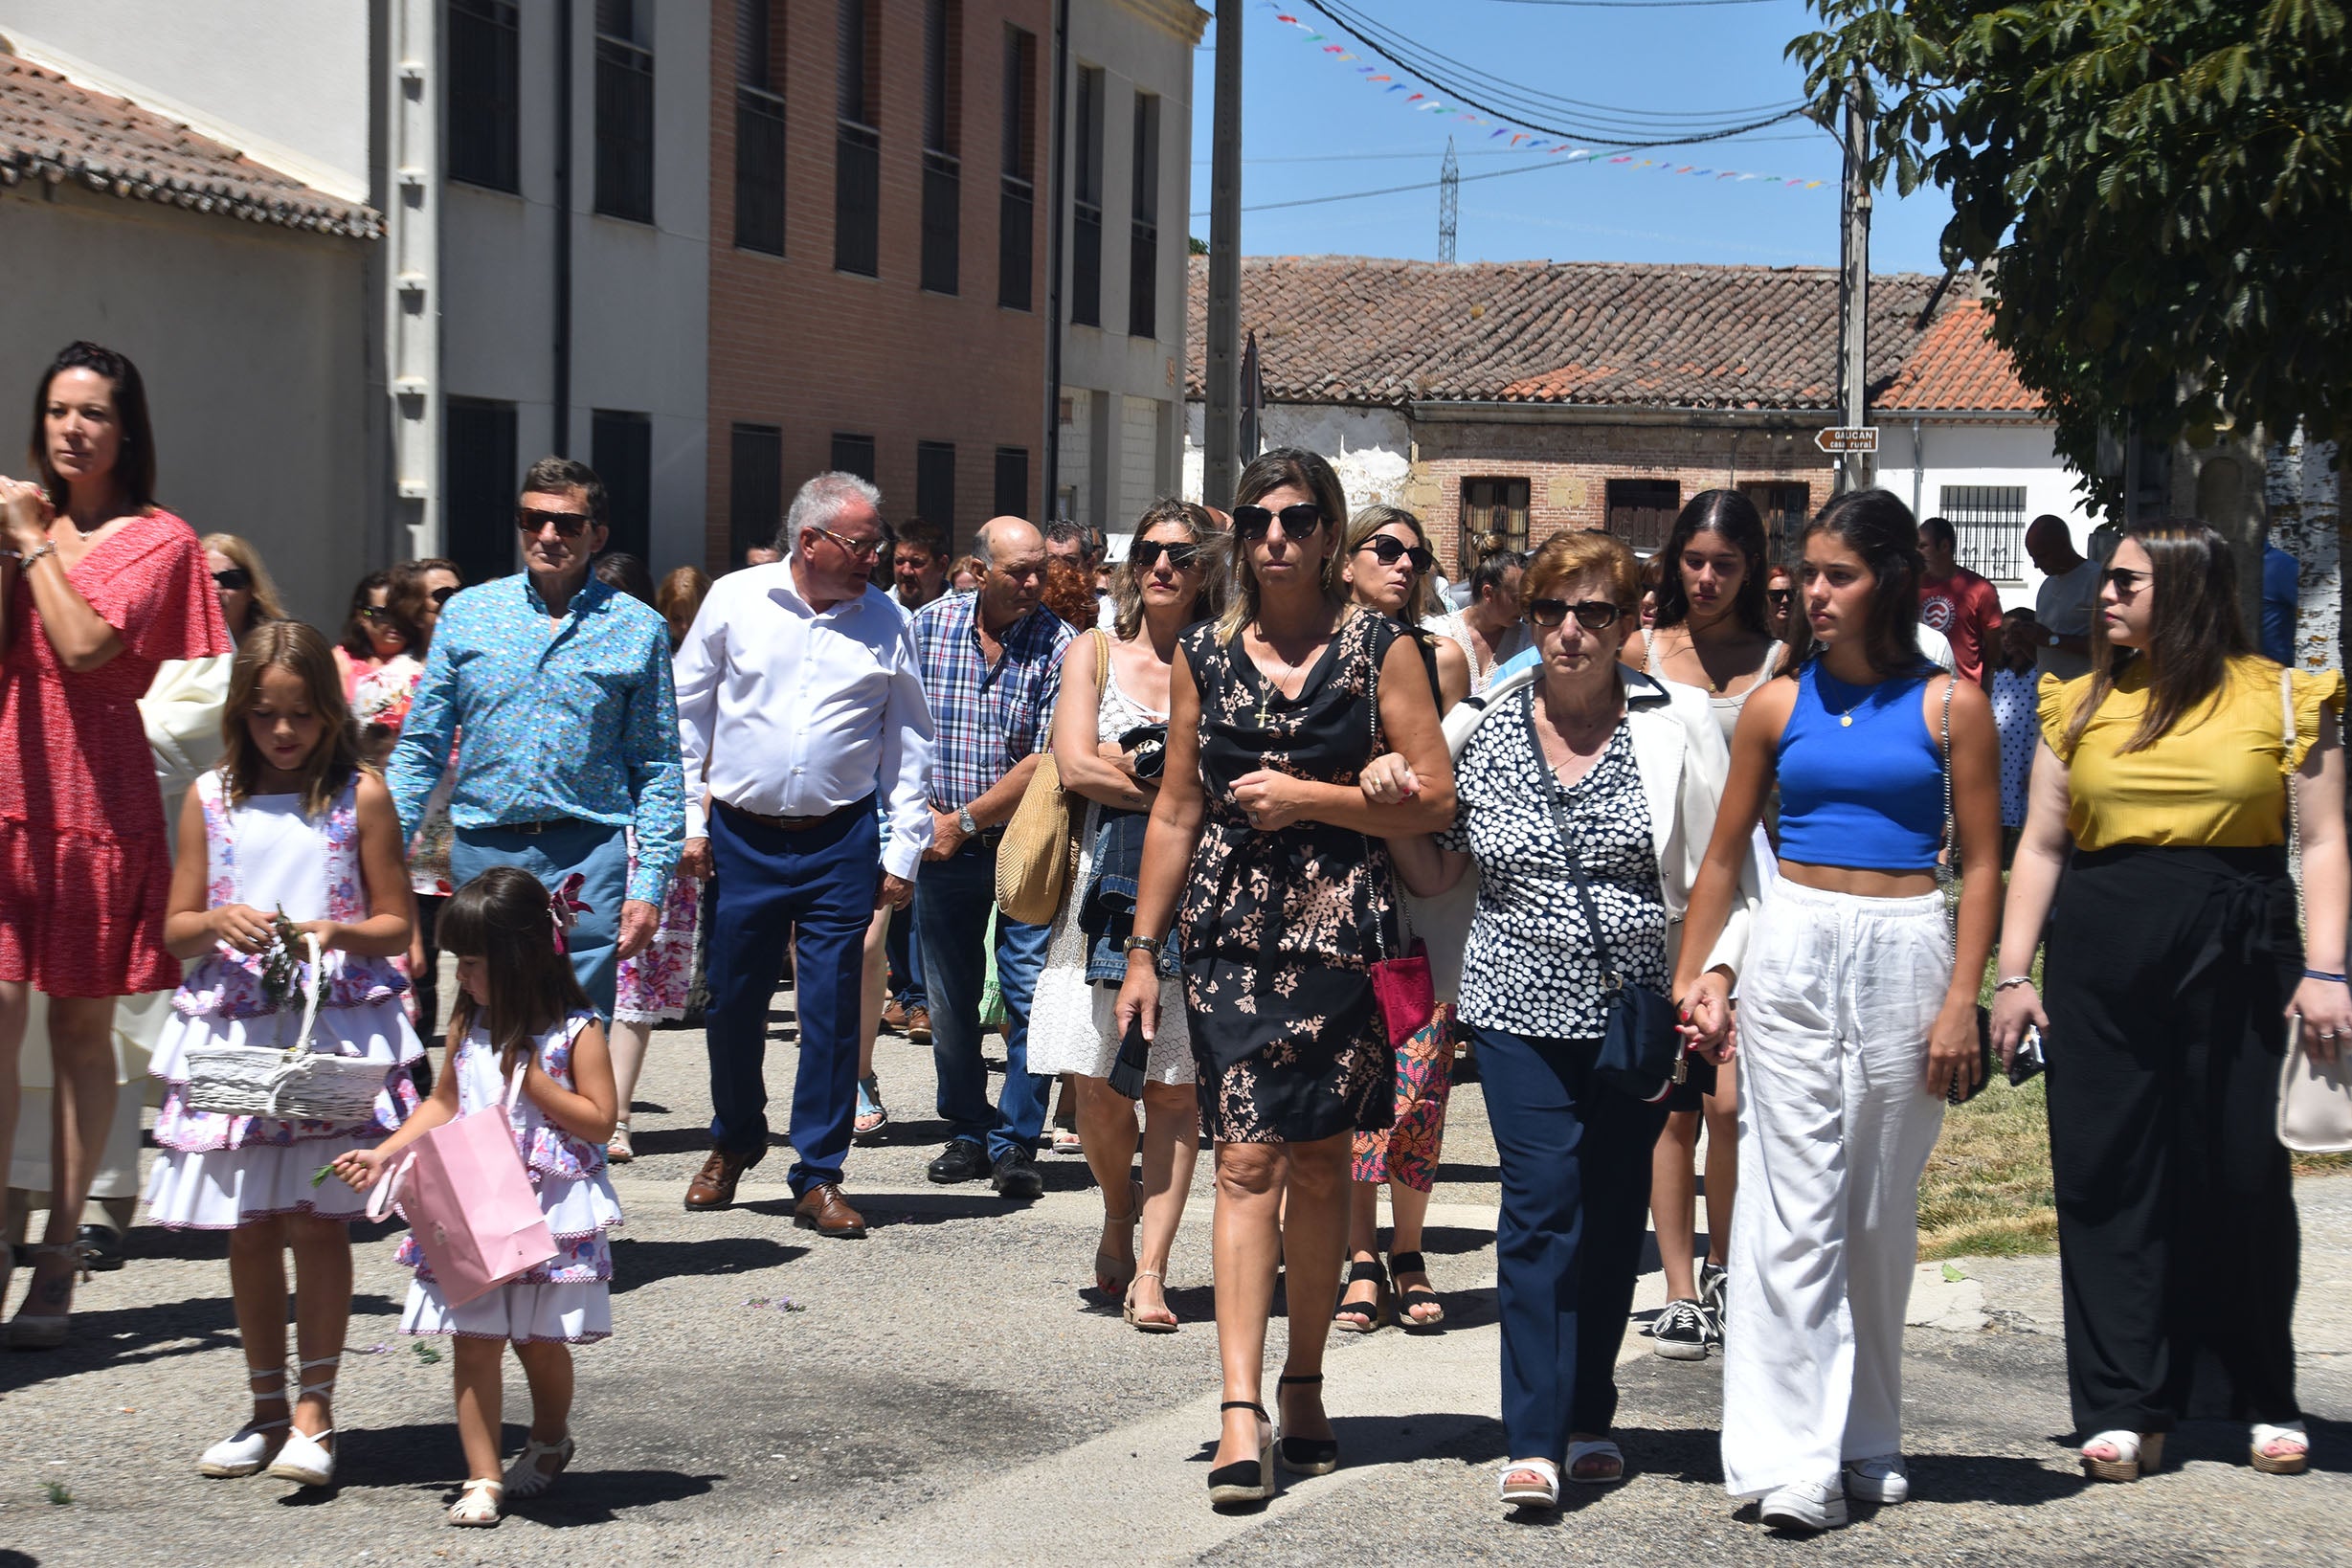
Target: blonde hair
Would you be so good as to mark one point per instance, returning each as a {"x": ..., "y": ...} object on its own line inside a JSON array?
[
  {"x": 289, "y": 645},
  {"x": 1127, "y": 589},
  {"x": 1285, "y": 467},
  {"x": 1423, "y": 601},
  {"x": 263, "y": 588}
]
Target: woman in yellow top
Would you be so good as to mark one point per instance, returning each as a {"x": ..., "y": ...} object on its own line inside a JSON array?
[{"x": 2173, "y": 964}]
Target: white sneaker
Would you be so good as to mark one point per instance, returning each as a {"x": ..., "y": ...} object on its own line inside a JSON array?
[
  {"x": 1883, "y": 1480},
  {"x": 1804, "y": 1505}
]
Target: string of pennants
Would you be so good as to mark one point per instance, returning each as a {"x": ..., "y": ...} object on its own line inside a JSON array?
[{"x": 1391, "y": 81}]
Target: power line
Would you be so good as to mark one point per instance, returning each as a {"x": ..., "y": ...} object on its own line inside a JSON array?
[
  {"x": 1420, "y": 153},
  {"x": 1635, "y": 5}
]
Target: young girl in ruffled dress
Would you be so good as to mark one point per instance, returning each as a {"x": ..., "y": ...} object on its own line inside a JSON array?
[
  {"x": 291, "y": 823},
  {"x": 519, "y": 1008}
]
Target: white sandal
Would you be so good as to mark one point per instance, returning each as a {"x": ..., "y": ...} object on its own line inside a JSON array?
[
  {"x": 251, "y": 1447},
  {"x": 2137, "y": 1454},
  {"x": 1598, "y": 1449},
  {"x": 478, "y": 1505},
  {"x": 2290, "y": 1463},
  {"x": 526, "y": 1479},
  {"x": 1545, "y": 1495},
  {"x": 305, "y": 1457}
]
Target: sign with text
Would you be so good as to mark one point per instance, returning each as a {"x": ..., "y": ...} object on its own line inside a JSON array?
[{"x": 1841, "y": 438}]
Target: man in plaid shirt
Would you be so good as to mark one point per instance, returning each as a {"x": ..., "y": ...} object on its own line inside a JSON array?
[{"x": 992, "y": 667}]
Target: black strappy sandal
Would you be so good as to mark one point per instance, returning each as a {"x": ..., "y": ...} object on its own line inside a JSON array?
[
  {"x": 1245, "y": 1480},
  {"x": 1420, "y": 1296},
  {"x": 1358, "y": 1317},
  {"x": 1307, "y": 1456}
]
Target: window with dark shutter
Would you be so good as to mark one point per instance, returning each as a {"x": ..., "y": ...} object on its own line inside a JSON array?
[
  {"x": 1012, "y": 481},
  {"x": 857, "y": 147},
  {"x": 1784, "y": 506},
  {"x": 1017, "y": 186},
  {"x": 478, "y": 487},
  {"x": 854, "y": 454},
  {"x": 1494, "y": 517},
  {"x": 942, "y": 165},
  {"x": 755, "y": 488},
  {"x": 759, "y": 128},
  {"x": 1086, "y": 202},
  {"x": 485, "y": 74},
  {"x": 624, "y": 111},
  {"x": 1642, "y": 511},
  {"x": 935, "y": 484},
  {"x": 1143, "y": 229},
  {"x": 620, "y": 450}
]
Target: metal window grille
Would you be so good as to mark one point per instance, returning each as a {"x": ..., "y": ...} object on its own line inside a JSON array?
[
  {"x": 1011, "y": 481},
  {"x": 1087, "y": 205},
  {"x": 943, "y": 200},
  {"x": 624, "y": 127},
  {"x": 1017, "y": 192},
  {"x": 1143, "y": 241},
  {"x": 485, "y": 74},
  {"x": 1989, "y": 521},
  {"x": 478, "y": 487},
  {"x": 759, "y": 170},
  {"x": 620, "y": 450},
  {"x": 755, "y": 487},
  {"x": 857, "y": 147},
  {"x": 854, "y": 454},
  {"x": 1494, "y": 507}
]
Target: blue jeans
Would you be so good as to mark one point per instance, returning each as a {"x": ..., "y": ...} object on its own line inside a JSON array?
[
  {"x": 905, "y": 959},
  {"x": 599, "y": 853},
  {"x": 953, "y": 901},
  {"x": 822, "y": 880},
  {"x": 1575, "y": 1156}
]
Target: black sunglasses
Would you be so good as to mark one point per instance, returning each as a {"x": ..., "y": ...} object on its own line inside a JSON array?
[
  {"x": 1781, "y": 596},
  {"x": 374, "y": 613},
  {"x": 1390, "y": 549},
  {"x": 1593, "y": 614},
  {"x": 235, "y": 577},
  {"x": 567, "y": 525},
  {"x": 2123, "y": 579},
  {"x": 442, "y": 595},
  {"x": 1299, "y": 522},
  {"x": 1146, "y": 554}
]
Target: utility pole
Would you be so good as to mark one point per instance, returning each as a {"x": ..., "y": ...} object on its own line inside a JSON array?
[
  {"x": 1221, "y": 435},
  {"x": 1855, "y": 468},
  {"x": 1449, "y": 203}
]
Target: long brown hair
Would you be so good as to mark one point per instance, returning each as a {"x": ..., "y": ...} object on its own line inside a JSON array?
[
  {"x": 505, "y": 918},
  {"x": 1423, "y": 600},
  {"x": 296, "y": 646},
  {"x": 1127, "y": 584},
  {"x": 1285, "y": 467},
  {"x": 2195, "y": 628},
  {"x": 405, "y": 598}
]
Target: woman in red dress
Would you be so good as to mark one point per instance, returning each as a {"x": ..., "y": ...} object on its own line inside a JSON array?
[{"x": 98, "y": 587}]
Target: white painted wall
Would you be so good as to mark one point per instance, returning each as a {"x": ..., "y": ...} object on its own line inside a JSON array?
[
  {"x": 286, "y": 81},
  {"x": 1982, "y": 453},
  {"x": 1370, "y": 449},
  {"x": 253, "y": 342}
]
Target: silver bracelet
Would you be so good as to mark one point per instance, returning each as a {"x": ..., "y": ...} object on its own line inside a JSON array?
[
  {"x": 2007, "y": 981},
  {"x": 26, "y": 558}
]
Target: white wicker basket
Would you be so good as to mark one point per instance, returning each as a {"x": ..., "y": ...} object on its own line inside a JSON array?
[{"x": 297, "y": 1083}]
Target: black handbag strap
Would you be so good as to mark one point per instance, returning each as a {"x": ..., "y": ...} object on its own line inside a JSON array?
[{"x": 1610, "y": 979}]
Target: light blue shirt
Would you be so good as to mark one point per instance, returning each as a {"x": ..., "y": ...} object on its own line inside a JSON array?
[{"x": 553, "y": 718}]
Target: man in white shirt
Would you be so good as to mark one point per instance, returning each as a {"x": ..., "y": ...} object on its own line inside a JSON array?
[
  {"x": 2063, "y": 604},
  {"x": 800, "y": 702}
]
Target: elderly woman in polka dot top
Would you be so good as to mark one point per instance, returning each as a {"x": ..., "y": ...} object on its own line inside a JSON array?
[{"x": 1631, "y": 769}]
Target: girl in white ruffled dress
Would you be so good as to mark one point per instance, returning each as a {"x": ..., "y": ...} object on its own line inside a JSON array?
[
  {"x": 519, "y": 1005},
  {"x": 292, "y": 823}
]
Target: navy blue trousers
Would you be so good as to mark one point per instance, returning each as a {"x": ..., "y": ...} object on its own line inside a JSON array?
[
  {"x": 823, "y": 881},
  {"x": 1576, "y": 1157}
]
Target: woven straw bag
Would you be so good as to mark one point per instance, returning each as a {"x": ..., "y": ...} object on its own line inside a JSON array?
[
  {"x": 296, "y": 1083},
  {"x": 1038, "y": 857}
]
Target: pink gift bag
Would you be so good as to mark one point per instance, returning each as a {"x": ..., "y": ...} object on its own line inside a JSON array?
[{"x": 470, "y": 1201}]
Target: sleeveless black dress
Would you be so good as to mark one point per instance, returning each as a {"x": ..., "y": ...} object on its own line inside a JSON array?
[{"x": 1280, "y": 929}]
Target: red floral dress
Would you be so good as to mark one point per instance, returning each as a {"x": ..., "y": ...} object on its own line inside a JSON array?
[{"x": 85, "y": 868}]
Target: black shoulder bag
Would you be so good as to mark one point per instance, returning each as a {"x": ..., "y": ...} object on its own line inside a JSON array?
[{"x": 1640, "y": 1047}]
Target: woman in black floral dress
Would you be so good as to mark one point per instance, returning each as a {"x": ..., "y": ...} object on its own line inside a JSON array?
[{"x": 1262, "y": 831}]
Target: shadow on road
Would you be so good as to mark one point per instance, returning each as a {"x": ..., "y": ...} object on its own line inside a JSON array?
[
  {"x": 637, "y": 1264},
  {"x": 133, "y": 1336}
]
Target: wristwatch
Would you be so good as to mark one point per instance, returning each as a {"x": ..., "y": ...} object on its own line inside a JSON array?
[{"x": 963, "y": 819}]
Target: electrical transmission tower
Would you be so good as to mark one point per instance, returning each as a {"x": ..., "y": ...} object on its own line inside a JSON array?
[{"x": 1449, "y": 202}]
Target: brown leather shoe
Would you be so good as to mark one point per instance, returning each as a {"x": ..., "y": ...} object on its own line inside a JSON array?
[
  {"x": 919, "y": 1025},
  {"x": 894, "y": 1017},
  {"x": 824, "y": 1210},
  {"x": 714, "y": 1185}
]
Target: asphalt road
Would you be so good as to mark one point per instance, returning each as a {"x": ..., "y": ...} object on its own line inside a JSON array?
[{"x": 948, "y": 1391}]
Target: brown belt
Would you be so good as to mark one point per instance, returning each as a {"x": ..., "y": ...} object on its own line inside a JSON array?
[{"x": 793, "y": 824}]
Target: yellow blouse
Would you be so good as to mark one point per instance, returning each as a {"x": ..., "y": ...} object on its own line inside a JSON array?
[{"x": 2216, "y": 781}]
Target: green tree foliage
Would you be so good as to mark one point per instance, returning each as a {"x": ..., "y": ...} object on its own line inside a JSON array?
[{"x": 2160, "y": 186}]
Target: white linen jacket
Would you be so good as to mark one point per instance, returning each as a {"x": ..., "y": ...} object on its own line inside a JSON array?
[{"x": 1678, "y": 749}]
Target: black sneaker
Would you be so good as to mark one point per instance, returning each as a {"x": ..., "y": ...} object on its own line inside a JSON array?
[
  {"x": 963, "y": 1160},
  {"x": 1683, "y": 1331},
  {"x": 1716, "y": 1293},
  {"x": 1017, "y": 1175}
]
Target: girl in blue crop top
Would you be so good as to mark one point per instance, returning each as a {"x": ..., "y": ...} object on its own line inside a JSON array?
[{"x": 1857, "y": 1010}]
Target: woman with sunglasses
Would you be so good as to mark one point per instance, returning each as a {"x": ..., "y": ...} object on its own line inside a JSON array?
[
  {"x": 1387, "y": 569},
  {"x": 1780, "y": 600},
  {"x": 382, "y": 655},
  {"x": 1586, "y": 800},
  {"x": 1262, "y": 831},
  {"x": 1713, "y": 630},
  {"x": 1110, "y": 733},
  {"x": 2156, "y": 849},
  {"x": 99, "y": 588},
  {"x": 247, "y": 597},
  {"x": 1857, "y": 1010}
]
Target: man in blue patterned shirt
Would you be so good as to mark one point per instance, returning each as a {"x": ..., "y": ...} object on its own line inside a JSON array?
[
  {"x": 992, "y": 667},
  {"x": 555, "y": 690}
]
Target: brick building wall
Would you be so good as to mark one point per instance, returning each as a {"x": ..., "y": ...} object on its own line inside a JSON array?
[{"x": 812, "y": 351}]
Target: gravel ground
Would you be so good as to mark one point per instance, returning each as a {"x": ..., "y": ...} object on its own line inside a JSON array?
[{"x": 946, "y": 1390}]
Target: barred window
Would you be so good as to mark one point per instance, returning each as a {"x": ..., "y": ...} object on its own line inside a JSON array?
[{"x": 1989, "y": 521}]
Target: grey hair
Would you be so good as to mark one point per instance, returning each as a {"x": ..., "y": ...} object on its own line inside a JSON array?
[{"x": 819, "y": 503}]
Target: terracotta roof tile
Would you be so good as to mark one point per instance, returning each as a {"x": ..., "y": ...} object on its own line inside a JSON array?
[
  {"x": 1365, "y": 331},
  {"x": 1959, "y": 368},
  {"x": 51, "y": 128}
]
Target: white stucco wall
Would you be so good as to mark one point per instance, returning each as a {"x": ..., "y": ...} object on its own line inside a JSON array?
[
  {"x": 1370, "y": 449},
  {"x": 253, "y": 343},
  {"x": 2017, "y": 454},
  {"x": 285, "y": 81}
]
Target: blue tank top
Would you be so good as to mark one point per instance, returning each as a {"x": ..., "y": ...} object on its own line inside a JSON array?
[{"x": 1860, "y": 775}]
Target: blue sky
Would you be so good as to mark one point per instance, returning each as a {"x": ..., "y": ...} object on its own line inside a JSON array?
[{"x": 1312, "y": 126}]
